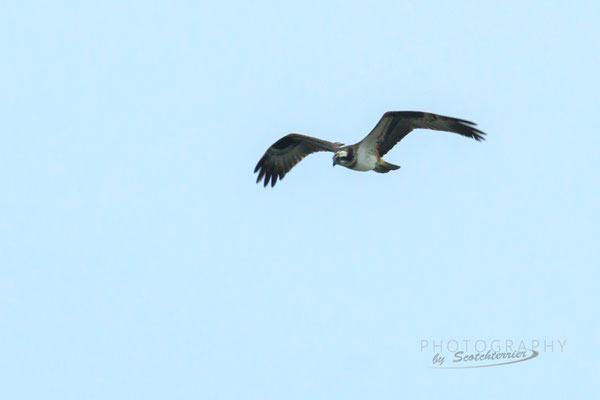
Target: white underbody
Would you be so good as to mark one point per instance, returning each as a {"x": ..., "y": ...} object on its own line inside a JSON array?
[{"x": 366, "y": 160}]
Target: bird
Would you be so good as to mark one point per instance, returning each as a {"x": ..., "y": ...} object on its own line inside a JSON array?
[{"x": 365, "y": 155}]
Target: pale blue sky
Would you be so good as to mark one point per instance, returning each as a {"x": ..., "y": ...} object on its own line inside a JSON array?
[{"x": 140, "y": 260}]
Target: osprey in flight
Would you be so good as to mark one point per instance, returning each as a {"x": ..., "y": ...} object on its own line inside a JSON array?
[{"x": 365, "y": 155}]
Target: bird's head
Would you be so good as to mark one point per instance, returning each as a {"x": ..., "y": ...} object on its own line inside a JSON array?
[{"x": 342, "y": 157}]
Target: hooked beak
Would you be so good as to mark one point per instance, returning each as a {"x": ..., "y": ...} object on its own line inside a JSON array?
[{"x": 335, "y": 161}]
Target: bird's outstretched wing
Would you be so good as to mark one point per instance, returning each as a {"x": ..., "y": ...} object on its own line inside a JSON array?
[
  {"x": 395, "y": 125},
  {"x": 281, "y": 157}
]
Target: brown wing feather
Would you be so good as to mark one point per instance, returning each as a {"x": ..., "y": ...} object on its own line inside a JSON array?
[
  {"x": 395, "y": 125},
  {"x": 288, "y": 151}
]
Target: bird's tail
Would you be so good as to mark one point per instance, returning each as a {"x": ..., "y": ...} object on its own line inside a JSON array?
[{"x": 384, "y": 167}]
